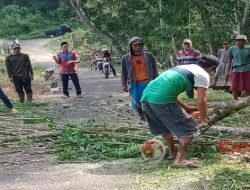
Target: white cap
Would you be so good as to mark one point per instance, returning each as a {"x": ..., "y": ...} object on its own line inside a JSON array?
[
  {"x": 187, "y": 41},
  {"x": 241, "y": 37}
]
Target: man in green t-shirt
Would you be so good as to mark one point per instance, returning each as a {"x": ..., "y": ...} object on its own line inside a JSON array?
[
  {"x": 167, "y": 116},
  {"x": 239, "y": 64}
]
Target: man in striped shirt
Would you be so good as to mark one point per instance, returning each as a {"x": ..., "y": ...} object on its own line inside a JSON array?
[{"x": 188, "y": 55}]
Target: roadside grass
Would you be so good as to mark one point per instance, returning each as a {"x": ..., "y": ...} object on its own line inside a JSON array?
[
  {"x": 29, "y": 113},
  {"x": 219, "y": 175}
]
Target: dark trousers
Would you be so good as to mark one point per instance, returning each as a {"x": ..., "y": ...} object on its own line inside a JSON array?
[
  {"x": 21, "y": 83},
  {"x": 113, "y": 69},
  {"x": 5, "y": 99},
  {"x": 65, "y": 83}
]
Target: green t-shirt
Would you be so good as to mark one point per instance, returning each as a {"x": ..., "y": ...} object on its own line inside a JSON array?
[
  {"x": 166, "y": 88},
  {"x": 240, "y": 58}
]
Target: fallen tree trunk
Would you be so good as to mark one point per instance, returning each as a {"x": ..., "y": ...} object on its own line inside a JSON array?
[
  {"x": 229, "y": 108},
  {"x": 242, "y": 132}
]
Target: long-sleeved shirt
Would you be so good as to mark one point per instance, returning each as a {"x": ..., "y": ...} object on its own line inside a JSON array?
[
  {"x": 18, "y": 65},
  {"x": 64, "y": 57}
]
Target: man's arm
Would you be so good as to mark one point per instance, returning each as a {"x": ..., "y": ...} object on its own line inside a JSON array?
[
  {"x": 76, "y": 58},
  {"x": 177, "y": 59},
  {"x": 219, "y": 54},
  {"x": 230, "y": 64},
  {"x": 185, "y": 106},
  {"x": 30, "y": 69},
  {"x": 154, "y": 66},
  {"x": 198, "y": 54},
  {"x": 8, "y": 68},
  {"x": 202, "y": 103},
  {"x": 124, "y": 75},
  {"x": 57, "y": 58}
]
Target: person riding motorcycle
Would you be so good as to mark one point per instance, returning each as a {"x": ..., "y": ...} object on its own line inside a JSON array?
[
  {"x": 95, "y": 56},
  {"x": 107, "y": 56}
]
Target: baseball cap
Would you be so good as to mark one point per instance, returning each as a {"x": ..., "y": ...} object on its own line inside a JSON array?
[
  {"x": 15, "y": 45},
  {"x": 225, "y": 42},
  {"x": 208, "y": 61},
  {"x": 187, "y": 41},
  {"x": 137, "y": 42},
  {"x": 241, "y": 37}
]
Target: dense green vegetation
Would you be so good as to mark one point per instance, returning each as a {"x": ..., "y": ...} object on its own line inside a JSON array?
[
  {"x": 29, "y": 19},
  {"x": 162, "y": 24}
]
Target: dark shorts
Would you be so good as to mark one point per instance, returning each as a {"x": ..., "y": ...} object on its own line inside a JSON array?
[
  {"x": 166, "y": 119},
  {"x": 240, "y": 81}
]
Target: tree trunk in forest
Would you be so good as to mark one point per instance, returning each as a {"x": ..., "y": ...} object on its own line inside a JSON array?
[
  {"x": 76, "y": 4},
  {"x": 208, "y": 28},
  {"x": 241, "y": 23}
]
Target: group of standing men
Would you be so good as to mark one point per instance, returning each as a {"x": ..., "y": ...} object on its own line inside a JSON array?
[{"x": 155, "y": 98}]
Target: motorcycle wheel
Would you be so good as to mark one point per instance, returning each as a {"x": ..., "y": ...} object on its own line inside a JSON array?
[{"x": 106, "y": 73}]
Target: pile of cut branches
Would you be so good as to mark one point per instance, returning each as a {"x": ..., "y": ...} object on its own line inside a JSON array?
[{"x": 98, "y": 141}]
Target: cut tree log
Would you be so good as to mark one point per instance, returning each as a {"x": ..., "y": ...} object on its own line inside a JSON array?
[
  {"x": 229, "y": 108},
  {"x": 239, "y": 132}
]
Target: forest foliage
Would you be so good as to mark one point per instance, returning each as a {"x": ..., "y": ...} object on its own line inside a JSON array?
[{"x": 162, "y": 24}]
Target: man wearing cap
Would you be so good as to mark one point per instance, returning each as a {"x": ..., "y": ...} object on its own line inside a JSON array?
[
  {"x": 223, "y": 55},
  {"x": 20, "y": 72},
  {"x": 167, "y": 115},
  {"x": 137, "y": 70},
  {"x": 188, "y": 55},
  {"x": 239, "y": 65}
]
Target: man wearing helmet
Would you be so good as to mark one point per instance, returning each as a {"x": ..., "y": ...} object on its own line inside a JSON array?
[
  {"x": 167, "y": 115},
  {"x": 107, "y": 55}
]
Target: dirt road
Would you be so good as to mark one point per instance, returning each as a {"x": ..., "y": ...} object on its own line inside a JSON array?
[{"x": 30, "y": 167}]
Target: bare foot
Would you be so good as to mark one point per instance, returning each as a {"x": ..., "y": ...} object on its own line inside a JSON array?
[
  {"x": 172, "y": 156},
  {"x": 186, "y": 164}
]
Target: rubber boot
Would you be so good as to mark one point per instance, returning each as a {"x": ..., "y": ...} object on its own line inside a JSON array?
[
  {"x": 21, "y": 97},
  {"x": 141, "y": 114},
  {"x": 29, "y": 97}
]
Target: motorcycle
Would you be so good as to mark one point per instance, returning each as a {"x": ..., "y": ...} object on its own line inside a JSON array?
[
  {"x": 97, "y": 63},
  {"x": 49, "y": 75},
  {"x": 106, "y": 68}
]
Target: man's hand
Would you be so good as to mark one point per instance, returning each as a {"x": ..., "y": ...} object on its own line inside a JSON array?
[
  {"x": 11, "y": 79},
  {"x": 125, "y": 89},
  {"x": 55, "y": 57},
  {"x": 203, "y": 123},
  {"x": 190, "y": 109},
  {"x": 227, "y": 76},
  {"x": 31, "y": 77}
]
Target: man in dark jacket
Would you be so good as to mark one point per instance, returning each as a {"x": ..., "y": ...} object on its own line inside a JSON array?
[
  {"x": 20, "y": 72},
  {"x": 138, "y": 69}
]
